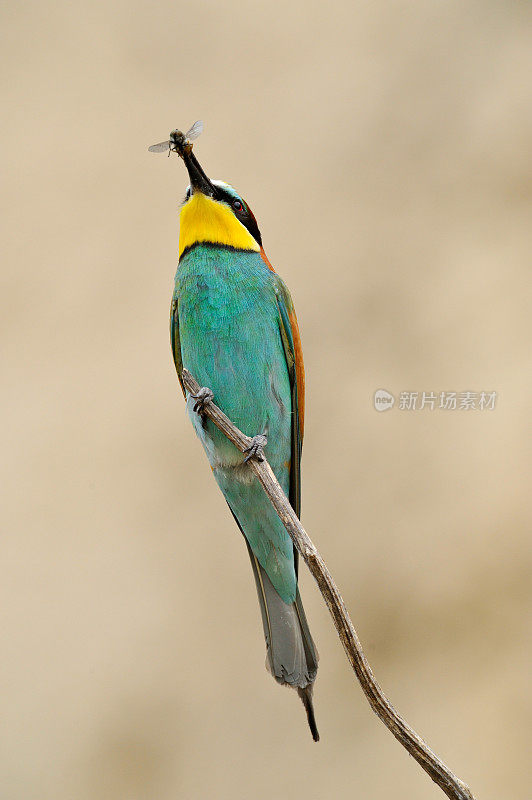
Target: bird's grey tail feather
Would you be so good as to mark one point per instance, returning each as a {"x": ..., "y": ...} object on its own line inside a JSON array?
[{"x": 291, "y": 655}]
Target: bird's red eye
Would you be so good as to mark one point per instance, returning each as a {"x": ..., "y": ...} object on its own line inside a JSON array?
[{"x": 237, "y": 205}]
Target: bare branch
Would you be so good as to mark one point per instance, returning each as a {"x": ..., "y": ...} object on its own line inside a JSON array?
[{"x": 414, "y": 744}]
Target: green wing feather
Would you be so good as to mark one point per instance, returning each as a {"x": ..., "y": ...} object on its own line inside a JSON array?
[{"x": 175, "y": 342}]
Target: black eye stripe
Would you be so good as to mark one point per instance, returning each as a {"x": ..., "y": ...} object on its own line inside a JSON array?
[
  {"x": 226, "y": 197},
  {"x": 243, "y": 213}
]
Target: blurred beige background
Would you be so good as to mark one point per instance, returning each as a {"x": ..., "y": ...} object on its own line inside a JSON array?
[{"x": 385, "y": 149}]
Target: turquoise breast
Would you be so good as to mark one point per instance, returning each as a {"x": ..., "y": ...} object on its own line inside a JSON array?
[{"x": 231, "y": 342}]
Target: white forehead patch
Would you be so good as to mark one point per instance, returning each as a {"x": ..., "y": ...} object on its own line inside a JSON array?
[{"x": 221, "y": 184}]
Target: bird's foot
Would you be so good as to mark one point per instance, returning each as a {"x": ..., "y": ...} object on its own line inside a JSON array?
[
  {"x": 256, "y": 448},
  {"x": 204, "y": 396}
]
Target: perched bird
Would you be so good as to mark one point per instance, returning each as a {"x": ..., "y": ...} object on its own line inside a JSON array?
[{"x": 233, "y": 326}]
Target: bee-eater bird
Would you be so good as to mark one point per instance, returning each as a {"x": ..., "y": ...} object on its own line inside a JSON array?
[{"x": 233, "y": 326}]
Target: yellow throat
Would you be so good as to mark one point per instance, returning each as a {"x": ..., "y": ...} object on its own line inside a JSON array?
[{"x": 206, "y": 220}]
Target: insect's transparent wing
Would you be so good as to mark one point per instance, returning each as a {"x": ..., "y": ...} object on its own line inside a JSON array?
[
  {"x": 195, "y": 130},
  {"x": 162, "y": 147}
]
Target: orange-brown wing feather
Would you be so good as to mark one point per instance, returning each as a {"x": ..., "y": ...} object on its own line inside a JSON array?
[{"x": 300, "y": 370}]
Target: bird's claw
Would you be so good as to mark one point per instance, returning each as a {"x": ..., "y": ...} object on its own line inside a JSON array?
[
  {"x": 256, "y": 448},
  {"x": 204, "y": 396}
]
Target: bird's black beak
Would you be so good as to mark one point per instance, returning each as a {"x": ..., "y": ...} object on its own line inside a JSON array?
[
  {"x": 198, "y": 180},
  {"x": 180, "y": 143}
]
